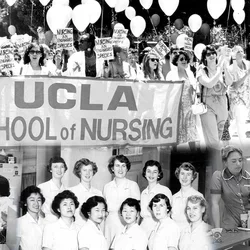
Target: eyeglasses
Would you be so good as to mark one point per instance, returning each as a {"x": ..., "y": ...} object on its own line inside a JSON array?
[
  {"x": 32, "y": 52},
  {"x": 154, "y": 59},
  {"x": 17, "y": 59},
  {"x": 175, "y": 52},
  {"x": 210, "y": 53},
  {"x": 181, "y": 59}
]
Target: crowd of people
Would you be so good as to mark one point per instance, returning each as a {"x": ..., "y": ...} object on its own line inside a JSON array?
[{"x": 119, "y": 218}]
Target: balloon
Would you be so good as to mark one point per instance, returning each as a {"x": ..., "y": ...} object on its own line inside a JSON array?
[
  {"x": 130, "y": 12},
  {"x": 95, "y": 10},
  {"x": 119, "y": 26},
  {"x": 181, "y": 40},
  {"x": 121, "y": 5},
  {"x": 169, "y": 6},
  {"x": 178, "y": 23},
  {"x": 44, "y": 2},
  {"x": 80, "y": 17},
  {"x": 239, "y": 16},
  {"x": 155, "y": 19},
  {"x": 216, "y": 8},
  {"x": 60, "y": 2},
  {"x": 146, "y": 4},
  {"x": 111, "y": 3},
  {"x": 10, "y": 2},
  {"x": 198, "y": 50},
  {"x": 137, "y": 25},
  {"x": 48, "y": 36},
  {"x": 194, "y": 22},
  {"x": 238, "y": 4},
  {"x": 173, "y": 37},
  {"x": 12, "y": 29},
  {"x": 125, "y": 43},
  {"x": 205, "y": 29}
]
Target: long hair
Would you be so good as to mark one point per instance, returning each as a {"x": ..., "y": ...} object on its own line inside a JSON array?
[{"x": 146, "y": 68}]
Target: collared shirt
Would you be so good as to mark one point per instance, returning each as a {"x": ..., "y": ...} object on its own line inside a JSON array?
[
  {"x": 49, "y": 191},
  {"x": 133, "y": 238},
  {"x": 58, "y": 236},
  {"x": 146, "y": 197},
  {"x": 234, "y": 193},
  {"x": 197, "y": 239},
  {"x": 179, "y": 204},
  {"x": 82, "y": 194},
  {"x": 115, "y": 195},
  {"x": 30, "y": 232},
  {"x": 91, "y": 237},
  {"x": 165, "y": 235}
]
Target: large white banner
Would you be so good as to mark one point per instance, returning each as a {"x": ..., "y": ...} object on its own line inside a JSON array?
[{"x": 88, "y": 112}]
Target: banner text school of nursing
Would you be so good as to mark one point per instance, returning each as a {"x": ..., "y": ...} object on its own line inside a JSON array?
[{"x": 86, "y": 112}]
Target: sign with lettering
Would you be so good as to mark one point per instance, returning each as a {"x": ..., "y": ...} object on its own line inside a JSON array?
[
  {"x": 104, "y": 48},
  {"x": 188, "y": 43},
  {"x": 119, "y": 36},
  {"x": 6, "y": 59},
  {"x": 65, "y": 38},
  {"x": 160, "y": 49}
]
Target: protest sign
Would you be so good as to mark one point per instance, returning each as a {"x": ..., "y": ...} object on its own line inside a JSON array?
[
  {"x": 188, "y": 43},
  {"x": 160, "y": 49},
  {"x": 65, "y": 38},
  {"x": 104, "y": 48},
  {"x": 6, "y": 59},
  {"x": 119, "y": 36}
]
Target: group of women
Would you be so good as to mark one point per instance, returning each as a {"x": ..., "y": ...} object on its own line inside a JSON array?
[{"x": 120, "y": 218}]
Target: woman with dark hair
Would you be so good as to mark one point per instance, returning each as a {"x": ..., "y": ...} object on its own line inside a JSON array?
[
  {"x": 132, "y": 236},
  {"x": 195, "y": 235},
  {"x": 153, "y": 173},
  {"x": 34, "y": 61},
  {"x": 91, "y": 237},
  {"x": 62, "y": 234},
  {"x": 187, "y": 123},
  {"x": 214, "y": 78},
  {"x": 85, "y": 170},
  {"x": 166, "y": 234},
  {"x": 115, "y": 192},
  {"x": 186, "y": 174},
  {"x": 57, "y": 167},
  {"x": 151, "y": 67},
  {"x": 30, "y": 225},
  {"x": 231, "y": 185}
]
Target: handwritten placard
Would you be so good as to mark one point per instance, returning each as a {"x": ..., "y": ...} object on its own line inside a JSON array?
[
  {"x": 119, "y": 36},
  {"x": 65, "y": 38},
  {"x": 188, "y": 43},
  {"x": 104, "y": 48}
]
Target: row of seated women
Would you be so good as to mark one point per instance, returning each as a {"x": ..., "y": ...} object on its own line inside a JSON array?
[{"x": 115, "y": 219}]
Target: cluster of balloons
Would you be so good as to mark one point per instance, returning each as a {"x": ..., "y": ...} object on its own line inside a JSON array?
[{"x": 239, "y": 13}]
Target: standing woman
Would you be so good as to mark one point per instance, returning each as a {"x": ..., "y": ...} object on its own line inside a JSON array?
[
  {"x": 166, "y": 233},
  {"x": 34, "y": 61},
  {"x": 153, "y": 173},
  {"x": 115, "y": 192},
  {"x": 84, "y": 169},
  {"x": 30, "y": 226},
  {"x": 187, "y": 125},
  {"x": 214, "y": 78},
  {"x": 230, "y": 185},
  {"x": 57, "y": 167},
  {"x": 186, "y": 174},
  {"x": 62, "y": 234}
]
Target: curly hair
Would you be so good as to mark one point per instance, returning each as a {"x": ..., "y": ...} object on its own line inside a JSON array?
[
  {"x": 120, "y": 158},
  {"x": 186, "y": 166},
  {"x": 204, "y": 53},
  {"x": 26, "y": 58},
  {"x": 56, "y": 159},
  {"x": 151, "y": 163},
  {"x": 146, "y": 67},
  {"x": 84, "y": 162},
  {"x": 159, "y": 197},
  {"x": 177, "y": 55}
]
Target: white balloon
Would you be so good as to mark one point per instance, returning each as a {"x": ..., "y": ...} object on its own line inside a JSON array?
[
  {"x": 111, "y": 3},
  {"x": 119, "y": 26},
  {"x": 198, "y": 50},
  {"x": 146, "y": 4},
  {"x": 121, "y": 5},
  {"x": 86, "y": 1},
  {"x": 239, "y": 16},
  {"x": 130, "y": 12},
  {"x": 194, "y": 22},
  {"x": 216, "y": 8},
  {"x": 238, "y": 4},
  {"x": 137, "y": 25},
  {"x": 10, "y": 2},
  {"x": 180, "y": 40},
  {"x": 80, "y": 17},
  {"x": 44, "y": 2},
  {"x": 61, "y": 21},
  {"x": 95, "y": 10},
  {"x": 169, "y": 6},
  {"x": 60, "y": 2}
]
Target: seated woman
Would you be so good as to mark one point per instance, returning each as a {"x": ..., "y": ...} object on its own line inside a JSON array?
[
  {"x": 133, "y": 236},
  {"x": 195, "y": 235},
  {"x": 62, "y": 234},
  {"x": 166, "y": 234},
  {"x": 91, "y": 237},
  {"x": 30, "y": 226}
]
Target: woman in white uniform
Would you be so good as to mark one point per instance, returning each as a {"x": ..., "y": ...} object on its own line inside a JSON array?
[
  {"x": 195, "y": 235},
  {"x": 91, "y": 237},
  {"x": 115, "y": 192},
  {"x": 132, "y": 236},
  {"x": 57, "y": 167},
  {"x": 62, "y": 234},
  {"x": 152, "y": 172},
  {"x": 30, "y": 225},
  {"x": 186, "y": 173},
  {"x": 84, "y": 169},
  {"x": 166, "y": 233}
]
